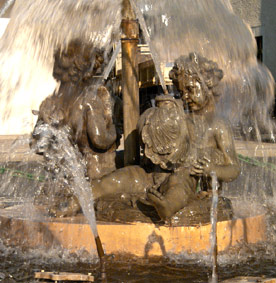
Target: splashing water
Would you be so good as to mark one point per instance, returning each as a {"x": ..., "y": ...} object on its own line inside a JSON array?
[
  {"x": 35, "y": 31},
  {"x": 67, "y": 162},
  {"x": 210, "y": 28},
  {"x": 213, "y": 220}
]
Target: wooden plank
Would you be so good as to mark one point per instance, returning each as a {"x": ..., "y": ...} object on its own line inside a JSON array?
[{"x": 64, "y": 276}]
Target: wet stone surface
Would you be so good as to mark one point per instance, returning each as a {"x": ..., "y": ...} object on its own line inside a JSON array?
[{"x": 130, "y": 210}]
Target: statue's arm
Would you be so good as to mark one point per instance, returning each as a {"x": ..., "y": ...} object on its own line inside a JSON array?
[
  {"x": 101, "y": 132},
  {"x": 230, "y": 170}
]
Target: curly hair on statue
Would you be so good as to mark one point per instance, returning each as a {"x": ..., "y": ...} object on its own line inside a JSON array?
[
  {"x": 196, "y": 66},
  {"x": 78, "y": 63}
]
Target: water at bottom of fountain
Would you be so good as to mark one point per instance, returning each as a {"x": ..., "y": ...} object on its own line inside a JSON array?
[{"x": 244, "y": 260}]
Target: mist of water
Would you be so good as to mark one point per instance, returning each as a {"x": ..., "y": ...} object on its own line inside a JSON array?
[
  {"x": 36, "y": 29},
  {"x": 66, "y": 161},
  {"x": 210, "y": 28}
]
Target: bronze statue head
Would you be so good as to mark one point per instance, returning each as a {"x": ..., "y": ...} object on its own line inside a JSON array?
[
  {"x": 196, "y": 78},
  {"x": 78, "y": 63}
]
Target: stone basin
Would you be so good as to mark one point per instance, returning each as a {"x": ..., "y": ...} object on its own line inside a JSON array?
[{"x": 30, "y": 229}]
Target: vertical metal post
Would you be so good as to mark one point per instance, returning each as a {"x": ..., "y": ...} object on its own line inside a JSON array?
[
  {"x": 102, "y": 258},
  {"x": 130, "y": 86}
]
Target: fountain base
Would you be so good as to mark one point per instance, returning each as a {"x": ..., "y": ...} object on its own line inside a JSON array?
[{"x": 135, "y": 238}]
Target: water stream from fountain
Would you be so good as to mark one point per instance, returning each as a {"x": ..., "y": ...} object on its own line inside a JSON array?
[
  {"x": 154, "y": 54},
  {"x": 6, "y": 7},
  {"x": 213, "y": 234},
  {"x": 67, "y": 162}
]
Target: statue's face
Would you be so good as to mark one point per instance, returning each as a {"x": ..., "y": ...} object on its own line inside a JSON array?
[{"x": 193, "y": 94}]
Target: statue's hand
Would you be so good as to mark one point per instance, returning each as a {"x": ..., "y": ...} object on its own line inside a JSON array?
[
  {"x": 202, "y": 167},
  {"x": 154, "y": 192}
]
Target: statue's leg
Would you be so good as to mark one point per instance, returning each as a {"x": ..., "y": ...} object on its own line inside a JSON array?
[
  {"x": 100, "y": 164},
  {"x": 174, "y": 194},
  {"x": 129, "y": 180}
]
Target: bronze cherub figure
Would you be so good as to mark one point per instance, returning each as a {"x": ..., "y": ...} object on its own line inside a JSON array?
[{"x": 211, "y": 145}]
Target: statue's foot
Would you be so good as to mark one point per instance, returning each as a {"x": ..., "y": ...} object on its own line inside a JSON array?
[{"x": 160, "y": 203}]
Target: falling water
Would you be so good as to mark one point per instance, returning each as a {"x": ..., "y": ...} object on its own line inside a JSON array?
[
  {"x": 213, "y": 234},
  {"x": 210, "y": 28},
  {"x": 246, "y": 92},
  {"x": 154, "y": 54},
  {"x": 36, "y": 29},
  {"x": 112, "y": 60},
  {"x": 6, "y": 7},
  {"x": 68, "y": 164}
]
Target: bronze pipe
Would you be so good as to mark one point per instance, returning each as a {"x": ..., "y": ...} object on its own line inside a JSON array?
[
  {"x": 130, "y": 86},
  {"x": 101, "y": 257}
]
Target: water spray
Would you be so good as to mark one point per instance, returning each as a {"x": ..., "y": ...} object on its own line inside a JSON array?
[
  {"x": 6, "y": 7},
  {"x": 152, "y": 50},
  {"x": 63, "y": 155},
  {"x": 213, "y": 234}
]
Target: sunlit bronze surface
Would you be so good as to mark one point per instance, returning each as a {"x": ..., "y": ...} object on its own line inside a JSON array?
[
  {"x": 86, "y": 109},
  {"x": 183, "y": 141},
  {"x": 130, "y": 88},
  {"x": 211, "y": 145}
]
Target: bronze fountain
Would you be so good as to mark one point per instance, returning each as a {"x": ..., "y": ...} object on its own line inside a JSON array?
[{"x": 182, "y": 139}]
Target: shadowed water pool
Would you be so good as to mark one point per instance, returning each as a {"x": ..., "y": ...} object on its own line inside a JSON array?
[{"x": 18, "y": 266}]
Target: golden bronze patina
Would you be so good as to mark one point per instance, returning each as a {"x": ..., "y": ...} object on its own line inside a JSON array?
[{"x": 211, "y": 145}]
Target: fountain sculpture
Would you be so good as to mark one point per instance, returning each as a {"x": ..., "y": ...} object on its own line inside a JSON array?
[
  {"x": 186, "y": 142},
  {"x": 86, "y": 109},
  {"x": 185, "y": 147},
  {"x": 210, "y": 139}
]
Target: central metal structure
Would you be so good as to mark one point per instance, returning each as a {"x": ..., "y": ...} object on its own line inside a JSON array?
[{"x": 130, "y": 83}]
